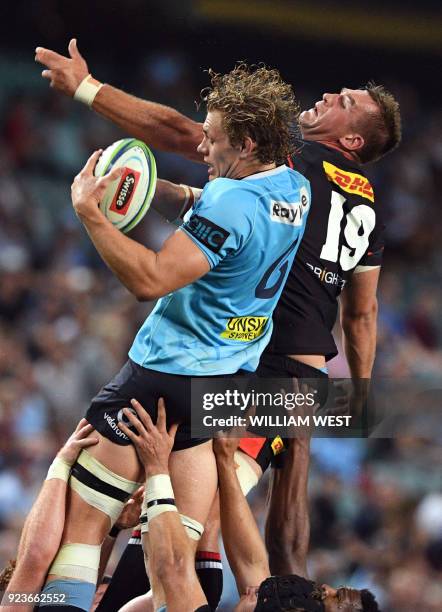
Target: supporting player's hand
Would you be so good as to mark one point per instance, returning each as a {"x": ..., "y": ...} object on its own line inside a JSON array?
[
  {"x": 130, "y": 515},
  {"x": 304, "y": 411},
  {"x": 87, "y": 190},
  {"x": 65, "y": 73},
  {"x": 77, "y": 441},
  {"x": 224, "y": 446},
  {"x": 153, "y": 443},
  {"x": 226, "y": 442},
  {"x": 351, "y": 400}
]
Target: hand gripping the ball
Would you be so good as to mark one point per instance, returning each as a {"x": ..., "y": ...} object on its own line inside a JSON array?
[
  {"x": 87, "y": 190},
  {"x": 64, "y": 73}
]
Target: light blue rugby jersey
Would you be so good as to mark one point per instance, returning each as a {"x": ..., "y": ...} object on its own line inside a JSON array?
[{"x": 249, "y": 230}]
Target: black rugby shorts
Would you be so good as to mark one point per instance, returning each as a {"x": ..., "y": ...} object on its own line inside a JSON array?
[{"x": 146, "y": 386}]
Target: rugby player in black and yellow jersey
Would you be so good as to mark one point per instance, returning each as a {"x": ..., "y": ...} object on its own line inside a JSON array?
[{"x": 341, "y": 252}]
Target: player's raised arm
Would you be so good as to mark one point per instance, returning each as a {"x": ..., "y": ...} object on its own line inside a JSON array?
[
  {"x": 146, "y": 274},
  {"x": 41, "y": 536},
  {"x": 288, "y": 523},
  {"x": 243, "y": 543},
  {"x": 166, "y": 545},
  {"x": 159, "y": 126}
]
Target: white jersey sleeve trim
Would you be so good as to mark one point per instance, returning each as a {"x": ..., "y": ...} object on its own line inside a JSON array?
[{"x": 360, "y": 269}]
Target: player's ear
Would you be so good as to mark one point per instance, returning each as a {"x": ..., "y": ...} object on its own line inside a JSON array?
[
  {"x": 352, "y": 142},
  {"x": 247, "y": 147}
]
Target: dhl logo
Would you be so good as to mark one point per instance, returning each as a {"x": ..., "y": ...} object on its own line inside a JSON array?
[
  {"x": 244, "y": 329},
  {"x": 277, "y": 445},
  {"x": 349, "y": 181}
]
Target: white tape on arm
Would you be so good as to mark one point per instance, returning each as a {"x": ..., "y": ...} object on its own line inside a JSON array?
[
  {"x": 158, "y": 498},
  {"x": 87, "y": 90},
  {"x": 191, "y": 195},
  {"x": 60, "y": 469}
]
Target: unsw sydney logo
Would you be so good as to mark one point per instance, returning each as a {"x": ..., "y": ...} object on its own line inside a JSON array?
[{"x": 244, "y": 329}]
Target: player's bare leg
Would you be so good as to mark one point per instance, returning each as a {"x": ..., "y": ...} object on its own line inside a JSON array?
[
  {"x": 194, "y": 479},
  {"x": 143, "y": 603},
  {"x": 76, "y": 564},
  {"x": 35, "y": 554},
  {"x": 41, "y": 537},
  {"x": 208, "y": 563}
]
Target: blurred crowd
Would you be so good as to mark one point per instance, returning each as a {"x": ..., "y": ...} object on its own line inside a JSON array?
[{"x": 66, "y": 325}]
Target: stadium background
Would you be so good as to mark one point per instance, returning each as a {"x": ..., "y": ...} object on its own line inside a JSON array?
[{"x": 66, "y": 324}]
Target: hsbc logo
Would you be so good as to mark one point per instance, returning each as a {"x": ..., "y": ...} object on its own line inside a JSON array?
[{"x": 290, "y": 213}]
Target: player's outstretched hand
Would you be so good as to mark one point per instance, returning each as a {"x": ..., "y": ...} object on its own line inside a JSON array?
[
  {"x": 77, "y": 441},
  {"x": 87, "y": 190},
  {"x": 130, "y": 515},
  {"x": 153, "y": 443},
  {"x": 64, "y": 73}
]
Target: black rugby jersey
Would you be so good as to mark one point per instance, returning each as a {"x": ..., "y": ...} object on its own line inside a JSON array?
[{"x": 344, "y": 230}]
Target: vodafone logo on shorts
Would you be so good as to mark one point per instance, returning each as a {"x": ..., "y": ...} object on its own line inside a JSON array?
[
  {"x": 122, "y": 418},
  {"x": 124, "y": 193},
  {"x": 113, "y": 425}
]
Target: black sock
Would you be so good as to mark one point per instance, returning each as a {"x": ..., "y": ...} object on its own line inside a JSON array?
[
  {"x": 129, "y": 579},
  {"x": 210, "y": 573}
]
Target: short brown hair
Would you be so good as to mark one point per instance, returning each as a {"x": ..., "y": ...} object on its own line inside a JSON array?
[
  {"x": 256, "y": 102},
  {"x": 381, "y": 130}
]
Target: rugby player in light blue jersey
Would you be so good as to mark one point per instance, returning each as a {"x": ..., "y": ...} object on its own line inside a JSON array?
[
  {"x": 219, "y": 277},
  {"x": 249, "y": 230}
]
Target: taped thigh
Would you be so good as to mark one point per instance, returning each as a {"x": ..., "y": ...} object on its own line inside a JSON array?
[
  {"x": 246, "y": 475},
  {"x": 100, "y": 487}
]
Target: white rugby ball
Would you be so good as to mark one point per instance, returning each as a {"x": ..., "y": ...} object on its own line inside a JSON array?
[{"x": 127, "y": 199}]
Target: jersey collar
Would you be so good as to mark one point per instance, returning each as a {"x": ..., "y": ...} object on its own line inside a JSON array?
[{"x": 259, "y": 175}]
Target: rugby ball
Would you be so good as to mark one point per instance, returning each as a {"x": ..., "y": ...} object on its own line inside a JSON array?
[{"x": 127, "y": 199}]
